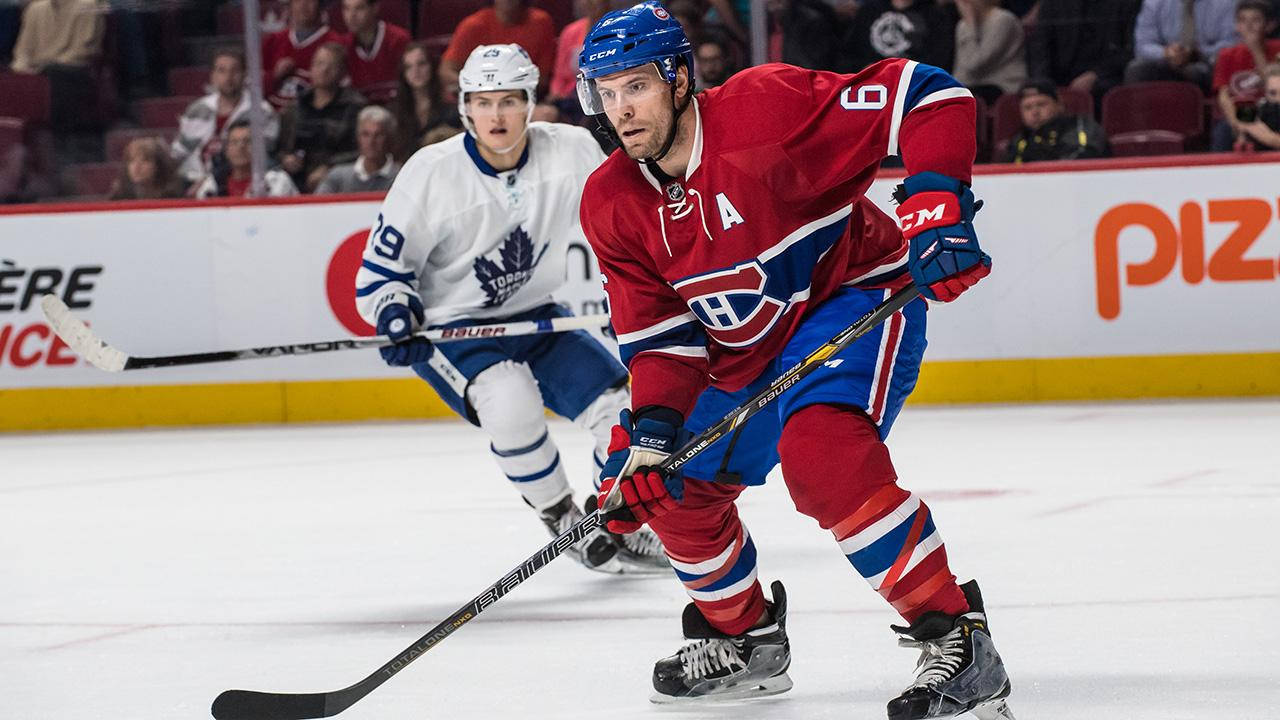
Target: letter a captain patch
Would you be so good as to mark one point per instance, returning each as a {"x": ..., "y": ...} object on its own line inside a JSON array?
[{"x": 729, "y": 215}]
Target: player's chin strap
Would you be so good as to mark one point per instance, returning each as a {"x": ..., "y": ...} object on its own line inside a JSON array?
[{"x": 652, "y": 162}]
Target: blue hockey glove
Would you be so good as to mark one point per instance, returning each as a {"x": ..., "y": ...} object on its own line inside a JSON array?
[
  {"x": 637, "y": 447},
  {"x": 397, "y": 321},
  {"x": 936, "y": 213}
]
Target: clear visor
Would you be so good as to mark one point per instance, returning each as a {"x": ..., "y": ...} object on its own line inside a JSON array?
[
  {"x": 510, "y": 106},
  {"x": 614, "y": 93}
]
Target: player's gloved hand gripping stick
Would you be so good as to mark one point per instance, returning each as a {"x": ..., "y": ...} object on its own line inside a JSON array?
[
  {"x": 936, "y": 213},
  {"x": 637, "y": 449},
  {"x": 397, "y": 322},
  {"x": 251, "y": 705}
]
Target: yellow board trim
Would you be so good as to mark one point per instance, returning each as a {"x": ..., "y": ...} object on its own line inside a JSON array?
[
  {"x": 1098, "y": 378},
  {"x": 969, "y": 381}
]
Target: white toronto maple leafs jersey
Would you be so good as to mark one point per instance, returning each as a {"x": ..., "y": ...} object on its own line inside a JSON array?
[{"x": 472, "y": 242}]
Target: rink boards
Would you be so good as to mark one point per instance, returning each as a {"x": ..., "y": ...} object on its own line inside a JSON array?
[{"x": 1108, "y": 282}]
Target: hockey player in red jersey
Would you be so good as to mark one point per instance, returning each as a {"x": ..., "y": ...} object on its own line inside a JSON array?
[{"x": 734, "y": 237}]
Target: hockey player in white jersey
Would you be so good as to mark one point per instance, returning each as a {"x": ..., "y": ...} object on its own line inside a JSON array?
[{"x": 476, "y": 229}]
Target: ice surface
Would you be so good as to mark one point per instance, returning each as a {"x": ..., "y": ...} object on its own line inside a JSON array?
[{"x": 1128, "y": 555}]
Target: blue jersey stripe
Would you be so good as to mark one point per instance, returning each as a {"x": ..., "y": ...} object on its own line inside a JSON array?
[
  {"x": 925, "y": 81},
  {"x": 386, "y": 272},
  {"x": 690, "y": 334}
]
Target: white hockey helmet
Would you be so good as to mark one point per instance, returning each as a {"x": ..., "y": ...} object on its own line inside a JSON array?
[{"x": 497, "y": 67}]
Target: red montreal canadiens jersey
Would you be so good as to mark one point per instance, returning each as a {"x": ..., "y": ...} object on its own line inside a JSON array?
[
  {"x": 709, "y": 275},
  {"x": 376, "y": 72},
  {"x": 279, "y": 45}
]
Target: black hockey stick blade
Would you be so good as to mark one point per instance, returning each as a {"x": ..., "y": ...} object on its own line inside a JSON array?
[{"x": 251, "y": 705}]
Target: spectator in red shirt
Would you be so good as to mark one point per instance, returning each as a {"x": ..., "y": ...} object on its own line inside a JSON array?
[
  {"x": 286, "y": 55},
  {"x": 1237, "y": 78},
  {"x": 376, "y": 47},
  {"x": 232, "y": 174},
  {"x": 508, "y": 21}
]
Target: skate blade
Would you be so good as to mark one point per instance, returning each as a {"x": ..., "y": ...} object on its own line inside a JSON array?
[
  {"x": 994, "y": 710},
  {"x": 775, "y": 685},
  {"x": 610, "y": 567}
]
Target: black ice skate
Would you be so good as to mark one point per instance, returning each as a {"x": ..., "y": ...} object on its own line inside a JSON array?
[
  {"x": 597, "y": 551},
  {"x": 959, "y": 669},
  {"x": 717, "y": 666},
  {"x": 639, "y": 552}
]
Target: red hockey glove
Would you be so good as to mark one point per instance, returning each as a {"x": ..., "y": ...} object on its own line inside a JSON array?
[
  {"x": 936, "y": 213},
  {"x": 635, "y": 449}
]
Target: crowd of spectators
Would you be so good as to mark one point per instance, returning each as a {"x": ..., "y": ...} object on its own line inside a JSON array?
[{"x": 349, "y": 95}]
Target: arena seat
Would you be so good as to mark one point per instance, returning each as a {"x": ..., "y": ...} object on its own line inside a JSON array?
[
  {"x": 91, "y": 178},
  {"x": 12, "y": 133},
  {"x": 116, "y": 140},
  {"x": 1146, "y": 142},
  {"x": 26, "y": 97},
  {"x": 161, "y": 112},
  {"x": 1129, "y": 111},
  {"x": 191, "y": 80}
]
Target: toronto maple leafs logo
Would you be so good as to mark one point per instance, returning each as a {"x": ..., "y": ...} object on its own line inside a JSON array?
[{"x": 503, "y": 276}]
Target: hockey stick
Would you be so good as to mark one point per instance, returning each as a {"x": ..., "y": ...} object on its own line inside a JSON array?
[
  {"x": 89, "y": 346},
  {"x": 252, "y": 705}
]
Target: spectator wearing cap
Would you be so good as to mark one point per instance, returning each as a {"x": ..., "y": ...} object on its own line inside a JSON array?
[
  {"x": 508, "y": 21},
  {"x": 989, "y": 49},
  {"x": 1049, "y": 133},
  {"x": 231, "y": 173},
  {"x": 1082, "y": 44},
  {"x": 1180, "y": 40},
  {"x": 375, "y": 168},
  {"x": 376, "y": 47},
  {"x": 319, "y": 130},
  {"x": 148, "y": 173},
  {"x": 287, "y": 55},
  {"x": 203, "y": 126},
  {"x": 1237, "y": 76}
]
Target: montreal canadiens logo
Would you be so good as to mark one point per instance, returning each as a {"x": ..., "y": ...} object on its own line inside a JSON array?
[
  {"x": 732, "y": 304},
  {"x": 660, "y": 12}
]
